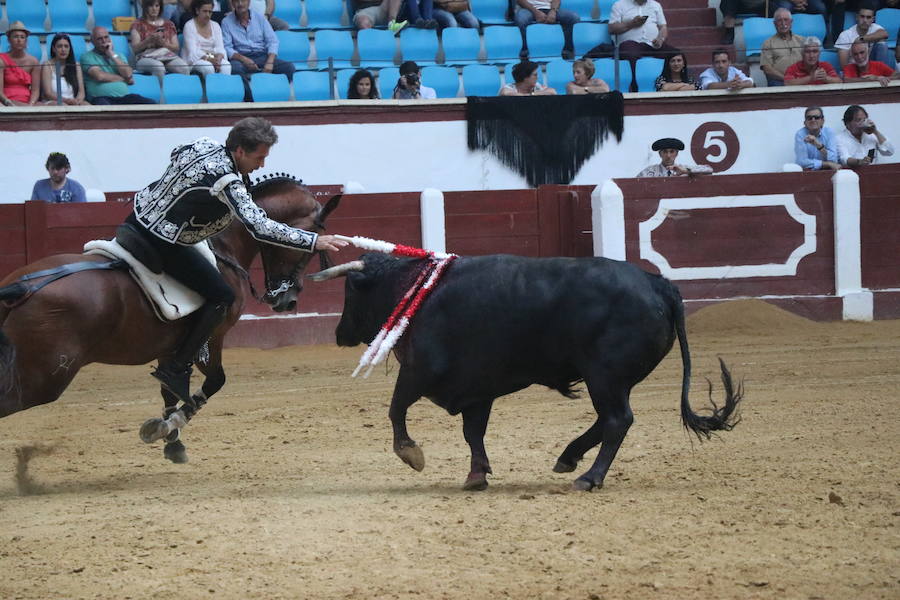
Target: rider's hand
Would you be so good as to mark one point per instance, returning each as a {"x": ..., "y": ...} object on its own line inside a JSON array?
[{"x": 330, "y": 242}]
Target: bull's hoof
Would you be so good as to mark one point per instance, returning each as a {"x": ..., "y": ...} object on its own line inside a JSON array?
[
  {"x": 476, "y": 482},
  {"x": 561, "y": 467},
  {"x": 583, "y": 484},
  {"x": 176, "y": 452},
  {"x": 413, "y": 456},
  {"x": 153, "y": 430}
]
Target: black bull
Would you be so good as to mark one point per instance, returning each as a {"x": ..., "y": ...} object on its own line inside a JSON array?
[{"x": 497, "y": 324}]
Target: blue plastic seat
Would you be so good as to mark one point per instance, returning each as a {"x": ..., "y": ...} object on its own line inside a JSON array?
[
  {"x": 889, "y": 18},
  {"x": 490, "y": 12},
  {"x": 461, "y": 45},
  {"x": 290, "y": 12},
  {"x": 605, "y": 9},
  {"x": 79, "y": 45},
  {"x": 105, "y": 10},
  {"x": 335, "y": 44},
  {"x": 33, "y": 48},
  {"x": 559, "y": 73},
  {"x": 545, "y": 42},
  {"x": 807, "y": 25},
  {"x": 831, "y": 57},
  {"x": 270, "y": 87},
  {"x": 756, "y": 31},
  {"x": 324, "y": 14},
  {"x": 312, "y": 85},
  {"x": 376, "y": 48},
  {"x": 293, "y": 46},
  {"x": 68, "y": 15},
  {"x": 182, "y": 89},
  {"x": 31, "y": 12},
  {"x": 387, "y": 79},
  {"x": 587, "y": 35},
  {"x": 605, "y": 70},
  {"x": 420, "y": 45},
  {"x": 481, "y": 80},
  {"x": 502, "y": 44},
  {"x": 224, "y": 88},
  {"x": 146, "y": 86},
  {"x": 444, "y": 80},
  {"x": 342, "y": 82},
  {"x": 583, "y": 8},
  {"x": 646, "y": 70}
]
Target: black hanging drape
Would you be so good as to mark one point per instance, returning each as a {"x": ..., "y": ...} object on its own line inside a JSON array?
[{"x": 546, "y": 139}]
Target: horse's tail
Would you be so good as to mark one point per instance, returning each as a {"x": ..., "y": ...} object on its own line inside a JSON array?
[
  {"x": 721, "y": 419},
  {"x": 8, "y": 294}
]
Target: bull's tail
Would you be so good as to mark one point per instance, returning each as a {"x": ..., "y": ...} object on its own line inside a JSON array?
[
  {"x": 8, "y": 295},
  {"x": 722, "y": 418}
]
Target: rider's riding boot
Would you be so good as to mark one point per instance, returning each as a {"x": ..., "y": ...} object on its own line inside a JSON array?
[{"x": 175, "y": 374}]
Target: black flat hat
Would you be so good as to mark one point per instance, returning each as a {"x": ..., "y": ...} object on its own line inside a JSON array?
[{"x": 667, "y": 144}]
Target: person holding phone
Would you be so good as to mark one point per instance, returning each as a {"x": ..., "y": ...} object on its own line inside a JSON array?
[
  {"x": 154, "y": 43},
  {"x": 860, "y": 143},
  {"x": 641, "y": 29}
]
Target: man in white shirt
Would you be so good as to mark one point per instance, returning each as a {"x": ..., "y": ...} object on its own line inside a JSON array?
[
  {"x": 723, "y": 76},
  {"x": 860, "y": 143},
  {"x": 868, "y": 31},
  {"x": 409, "y": 86},
  {"x": 640, "y": 27},
  {"x": 668, "y": 149}
]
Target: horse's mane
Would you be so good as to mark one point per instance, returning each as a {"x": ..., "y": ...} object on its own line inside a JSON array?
[{"x": 267, "y": 183}]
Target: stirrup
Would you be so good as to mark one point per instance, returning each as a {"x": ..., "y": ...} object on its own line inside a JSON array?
[{"x": 175, "y": 381}]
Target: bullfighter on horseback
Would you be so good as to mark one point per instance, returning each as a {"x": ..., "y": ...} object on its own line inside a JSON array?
[{"x": 204, "y": 188}]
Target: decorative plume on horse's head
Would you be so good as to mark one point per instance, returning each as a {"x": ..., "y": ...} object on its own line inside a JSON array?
[{"x": 272, "y": 179}]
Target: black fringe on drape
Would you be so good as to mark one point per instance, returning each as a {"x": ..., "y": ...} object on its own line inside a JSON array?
[{"x": 546, "y": 139}]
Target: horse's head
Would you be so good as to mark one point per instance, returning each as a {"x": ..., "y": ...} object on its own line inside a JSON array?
[{"x": 289, "y": 201}]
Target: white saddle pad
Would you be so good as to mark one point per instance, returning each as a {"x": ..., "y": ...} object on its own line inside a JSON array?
[{"x": 170, "y": 299}]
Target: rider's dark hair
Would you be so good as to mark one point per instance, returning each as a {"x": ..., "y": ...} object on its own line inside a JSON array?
[
  {"x": 249, "y": 133},
  {"x": 851, "y": 111},
  {"x": 57, "y": 160}
]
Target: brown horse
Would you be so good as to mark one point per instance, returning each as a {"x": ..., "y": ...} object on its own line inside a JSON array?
[{"x": 101, "y": 315}]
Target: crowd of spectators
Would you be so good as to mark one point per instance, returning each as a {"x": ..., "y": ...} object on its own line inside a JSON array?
[{"x": 238, "y": 36}]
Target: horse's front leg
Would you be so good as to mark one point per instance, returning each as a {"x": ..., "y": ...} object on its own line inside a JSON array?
[{"x": 175, "y": 418}]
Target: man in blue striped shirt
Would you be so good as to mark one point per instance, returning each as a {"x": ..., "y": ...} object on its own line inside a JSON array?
[
  {"x": 251, "y": 44},
  {"x": 815, "y": 146}
]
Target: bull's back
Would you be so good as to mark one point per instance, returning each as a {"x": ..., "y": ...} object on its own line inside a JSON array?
[{"x": 509, "y": 321}]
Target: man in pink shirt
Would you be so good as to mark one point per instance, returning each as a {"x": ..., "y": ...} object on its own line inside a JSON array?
[
  {"x": 810, "y": 71},
  {"x": 860, "y": 69}
]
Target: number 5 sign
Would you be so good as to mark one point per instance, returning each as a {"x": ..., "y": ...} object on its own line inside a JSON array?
[{"x": 715, "y": 144}]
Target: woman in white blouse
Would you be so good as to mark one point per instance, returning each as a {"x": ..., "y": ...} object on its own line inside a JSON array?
[
  {"x": 71, "y": 80},
  {"x": 203, "y": 46}
]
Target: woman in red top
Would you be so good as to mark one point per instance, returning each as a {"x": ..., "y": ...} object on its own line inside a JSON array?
[{"x": 20, "y": 84}]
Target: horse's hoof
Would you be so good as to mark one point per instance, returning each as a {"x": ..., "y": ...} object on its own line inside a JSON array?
[
  {"x": 476, "y": 482},
  {"x": 153, "y": 429},
  {"x": 413, "y": 456},
  {"x": 176, "y": 452},
  {"x": 584, "y": 485},
  {"x": 561, "y": 467}
]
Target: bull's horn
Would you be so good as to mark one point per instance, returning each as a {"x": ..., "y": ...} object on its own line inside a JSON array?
[{"x": 338, "y": 271}]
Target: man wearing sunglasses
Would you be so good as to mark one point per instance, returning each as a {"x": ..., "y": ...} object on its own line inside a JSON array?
[{"x": 815, "y": 146}]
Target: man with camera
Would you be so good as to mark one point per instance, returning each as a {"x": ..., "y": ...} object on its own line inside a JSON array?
[{"x": 409, "y": 86}]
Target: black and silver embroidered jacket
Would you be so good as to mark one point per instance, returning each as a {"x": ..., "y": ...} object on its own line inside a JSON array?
[{"x": 199, "y": 195}]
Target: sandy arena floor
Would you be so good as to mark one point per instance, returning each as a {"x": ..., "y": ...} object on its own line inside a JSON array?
[{"x": 292, "y": 490}]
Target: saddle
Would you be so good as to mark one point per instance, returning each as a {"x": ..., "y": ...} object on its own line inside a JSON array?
[{"x": 170, "y": 299}]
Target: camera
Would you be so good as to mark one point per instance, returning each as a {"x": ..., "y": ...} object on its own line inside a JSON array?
[{"x": 412, "y": 79}]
